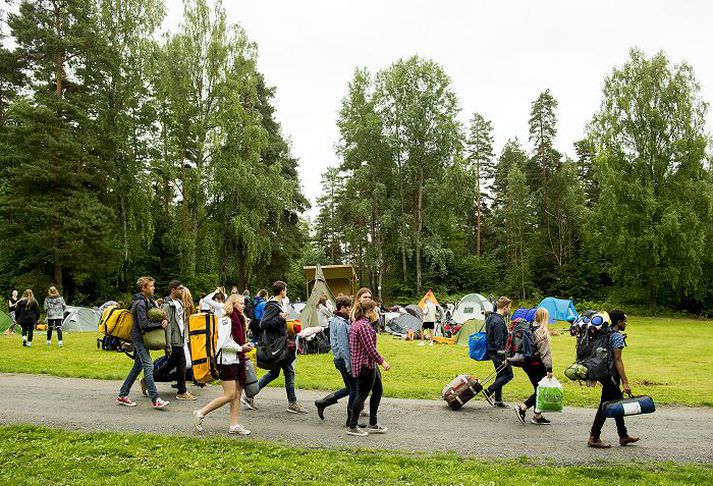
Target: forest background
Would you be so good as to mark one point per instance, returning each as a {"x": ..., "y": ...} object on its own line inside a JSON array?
[{"x": 125, "y": 152}]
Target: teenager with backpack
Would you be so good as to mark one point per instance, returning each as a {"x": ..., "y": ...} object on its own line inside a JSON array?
[
  {"x": 538, "y": 366},
  {"x": 610, "y": 384},
  {"x": 339, "y": 341},
  {"x": 54, "y": 307},
  {"x": 12, "y": 308},
  {"x": 273, "y": 326},
  {"x": 233, "y": 345},
  {"x": 496, "y": 335},
  {"x": 364, "y": 363},
  {"x": 143, "y": 301},
  {"x": 28, "y": 315}
]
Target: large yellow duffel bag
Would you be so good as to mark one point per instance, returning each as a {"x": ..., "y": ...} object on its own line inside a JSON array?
[
  {"x": 202, "y": 343},
  {"x": 117, "y": 323}
]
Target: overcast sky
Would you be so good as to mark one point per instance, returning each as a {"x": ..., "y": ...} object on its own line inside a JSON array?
[{"x": 499, "y": 55}]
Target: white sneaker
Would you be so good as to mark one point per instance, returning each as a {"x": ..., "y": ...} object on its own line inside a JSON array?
[
  {"x": 357, "y": 431},
  {"x": 248, "y": 402},
  {"x": 59, "y": 343},
  {"x": 421, "y": 343},
  {"x": 431, "y": 343},
  {"x": 29, "y": 344},
  {"x": 49, "y": 343},
  {"x": 160, "y": 404},
  {"x": 238, "y": 429},
  {"x": 198, "y": 420}
]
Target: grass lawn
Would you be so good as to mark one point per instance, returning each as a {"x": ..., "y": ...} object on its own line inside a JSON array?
[
  {"x": 669, "y": 359},
  {"x": 37, "y": 455}
]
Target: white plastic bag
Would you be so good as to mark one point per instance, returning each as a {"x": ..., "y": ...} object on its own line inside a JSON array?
[{"x": 550, "y": 396}]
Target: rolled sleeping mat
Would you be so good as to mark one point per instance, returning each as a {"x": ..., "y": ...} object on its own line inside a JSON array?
[{"x": 629, "y": 406}]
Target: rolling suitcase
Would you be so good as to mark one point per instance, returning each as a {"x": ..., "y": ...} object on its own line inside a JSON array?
[{"x": 464, "y": 387}]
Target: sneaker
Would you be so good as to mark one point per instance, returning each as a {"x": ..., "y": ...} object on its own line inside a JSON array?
[
  {"x": 198, "y": 420},
  {"x": 160, "y": 404},
  {"x": 29, "y": 344},
  {"x": 431, "y": 343},
  {"x": 125, "y": 401},
  {"x": 421, "y": 343},
  {"x": 502, "y": 405},
  {"x": 49, "y": 343},
  {"x": 238, "y": 429},
  {"x": 358, "y": 431},
  {"x": 59, "y": 343},
  {"x": 540, "y": 420},
  {"x": 627, "y": 440},
  {"x": 376, "y": 429},
  {"x": 520, "y": 414},
  {"x": 143, "y": 387},
  {"x": 186, "y": 396},
  {"x": 296, "y": 408},
  {"x": 24, "y": 344},
  {"x": 489, "y": 398},
  {"x": 248, "y": 402}
]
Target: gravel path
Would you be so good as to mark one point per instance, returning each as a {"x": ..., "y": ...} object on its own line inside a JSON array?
[{"x": 671, "y": 434}]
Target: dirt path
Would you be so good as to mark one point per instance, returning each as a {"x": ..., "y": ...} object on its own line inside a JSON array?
[{"x": 671, "y": 434}]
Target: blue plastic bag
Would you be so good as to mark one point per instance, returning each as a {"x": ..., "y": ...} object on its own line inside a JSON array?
[{"x": 478, "y": 346}]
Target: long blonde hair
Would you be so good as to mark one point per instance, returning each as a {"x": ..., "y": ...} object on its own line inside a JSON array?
[
  {"x": 187, "y": 302},
  {"x": 231, "y": 303},
  {"x": 29, "y": 297},
  {"x": 542, "y": 318}
]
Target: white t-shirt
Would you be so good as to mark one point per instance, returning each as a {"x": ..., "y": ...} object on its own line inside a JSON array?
[{"x": 429, "y": 312}]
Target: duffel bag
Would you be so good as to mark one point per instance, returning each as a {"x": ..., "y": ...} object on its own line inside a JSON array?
[
  {"x": 155, "y": 339},
  {"x": 203, "y": 343},
  {"x": 117, "y": 323},
  {"x": 252, "y": 388},
  {"x": 634, "y": 405}
]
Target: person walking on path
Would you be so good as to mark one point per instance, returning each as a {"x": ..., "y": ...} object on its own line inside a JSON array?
[
  {"x": 538, "y": 367},
  {"x": 364, "y": 359},
  {"x": 143, "y": 301},
  {"x": 496, "y": 335},
  {"x": 54, "y": 307},
  {"x": 28, "y": 315},
  {"x": 610, "y": 384},
  {"x": 272, "y": 326},
  {"x": 231, "y": 364},
  {"x": 175, "y": 314},
  {"x": 12, "y": 308},
  {"x": 339, "y": 340}
]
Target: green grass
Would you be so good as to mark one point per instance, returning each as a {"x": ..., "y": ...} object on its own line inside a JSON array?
[
  {"x": 668, "y": 359},
  {"x": 37, "y": 455}
]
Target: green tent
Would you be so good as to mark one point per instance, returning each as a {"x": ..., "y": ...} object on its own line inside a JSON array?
[
  {"x": 471, "y": 326},
  {"x": 308, "y": 316},
  {"x": 5, "y": 322}
]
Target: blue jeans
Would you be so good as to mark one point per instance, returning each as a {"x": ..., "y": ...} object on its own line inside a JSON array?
[
  {"x": 142, "y": 360},
  {"x": 289, "y": 380},
  {"x": 350, "y": 384}
]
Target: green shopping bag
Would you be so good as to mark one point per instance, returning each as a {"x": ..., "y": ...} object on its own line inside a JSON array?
[{"x": 550, "y": 396}]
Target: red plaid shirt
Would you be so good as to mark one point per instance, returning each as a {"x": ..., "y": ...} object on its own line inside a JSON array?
[{"x": 362, "y": 346}]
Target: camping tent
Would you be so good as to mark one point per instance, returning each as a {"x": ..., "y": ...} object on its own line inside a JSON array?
[
  {"x": 308, "y": 316},
  {"x": 80, "y": 319},
  {"x": 5, "y": 322},
  {"x": 559, "y": 309},
  {"x": 400, "y": 325},
  {"x": 472, "y": 306},
  {"x": 471, "y": 326},
  {"x": 415, "y": 311},
  {"x": 428, "y": 297}
]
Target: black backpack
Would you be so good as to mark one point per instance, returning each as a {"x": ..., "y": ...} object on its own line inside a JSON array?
[{"x": 593, "y": 332}]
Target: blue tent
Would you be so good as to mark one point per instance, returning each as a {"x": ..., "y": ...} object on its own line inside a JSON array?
[
  {"x": 523, "y": 313},
  {"x": 559, "y": 309}
]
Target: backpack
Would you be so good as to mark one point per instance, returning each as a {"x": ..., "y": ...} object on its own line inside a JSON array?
[
  {"x": 116, "y": 323},
  {"x": 520, "y": 347},
  {"x": 593, "y": 332}
]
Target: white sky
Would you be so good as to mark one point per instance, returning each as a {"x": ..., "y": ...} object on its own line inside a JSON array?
[{"x": 499, "y": 55}]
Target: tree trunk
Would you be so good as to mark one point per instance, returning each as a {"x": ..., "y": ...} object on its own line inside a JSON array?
[
  {"x": 59, "y": 57},
  {"x": 419, "y": 227},
  {"x": 125, "y": 239},
  {"x": 58, "y": 276}
]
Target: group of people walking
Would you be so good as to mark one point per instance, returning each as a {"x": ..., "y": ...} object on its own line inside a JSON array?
[{"x": 26, "y": 312}]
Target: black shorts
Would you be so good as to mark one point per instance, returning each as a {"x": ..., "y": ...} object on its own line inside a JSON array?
[
  {"x": 429, "y": 325},
  {"x": 228, "y": 372}
]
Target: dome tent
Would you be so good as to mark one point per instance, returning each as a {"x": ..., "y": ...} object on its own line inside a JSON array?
[
  {"x": 559, "y": 309},
  {"x": 472, "y": 306},
  {"x": 80, "y": 319}
]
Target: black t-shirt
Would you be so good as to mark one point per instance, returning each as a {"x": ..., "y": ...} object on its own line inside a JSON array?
[{"x": 13, "y": 304}]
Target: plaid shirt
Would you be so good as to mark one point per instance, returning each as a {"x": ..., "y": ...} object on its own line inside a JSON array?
[{"x": 362, "y": 346}]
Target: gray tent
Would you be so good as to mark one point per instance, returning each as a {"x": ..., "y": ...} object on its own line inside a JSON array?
[
  {"x": 400, "y": 325},
  {"x": 415, "y": 311},
  {"x": 308, "y": 316},
  {"x": 80, "y": 319}
]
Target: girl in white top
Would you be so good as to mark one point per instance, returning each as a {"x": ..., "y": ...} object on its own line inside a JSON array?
[
  {"x": 231, "y": 332},
  {"x": 214, "y": 301}
]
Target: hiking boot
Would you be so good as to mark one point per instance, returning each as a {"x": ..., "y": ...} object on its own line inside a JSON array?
[
  {"x": 376, "y": 429},
  {"x": 501, "y": 405},
  {"x": 186, "y": 396},
  {"x": 248, "y": 402},
  {"x": 238, "y": 429},
  {"x": 160, "y": 404},
  {"x": 357, "y": 431},
  {"x": 143, "y": 387},
  {"x": 489, "y": 398},
  {"x": 520, "y": 413},
  {"x": 295, "y": 408},
  {"x": 324, "y": 403},
  {"x": 198, "y": 420},
  {"x": 597, "y": 443},
  {"x": 125, "y": 401},
  {"x": 627, "y": 440},
  {"x": 540, "y": 420}
]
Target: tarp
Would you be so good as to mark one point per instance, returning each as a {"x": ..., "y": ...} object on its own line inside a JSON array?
[
  {"x": 400, "y": 325},
  {"x": 5, "y": 321},
  {"x": 472, "y": 306},
  {"x": 469, "y": 327},
  {"x": 428, "y": 297},
  {"x": 80, "y": 319},
  {"x": 309, "y": 316},
  {"x": 559, "y": 309}
]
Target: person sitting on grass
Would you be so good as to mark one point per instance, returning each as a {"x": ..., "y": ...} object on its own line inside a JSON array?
[
  {"x": 365, "y": 360},
  {"x": 28, "y": 315},
  {"x": 231, "y": 364},
  {"x": 143, "y": 301},
  {"x": 610, "y": 384},
  {"x": 539, "y": 367}
]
